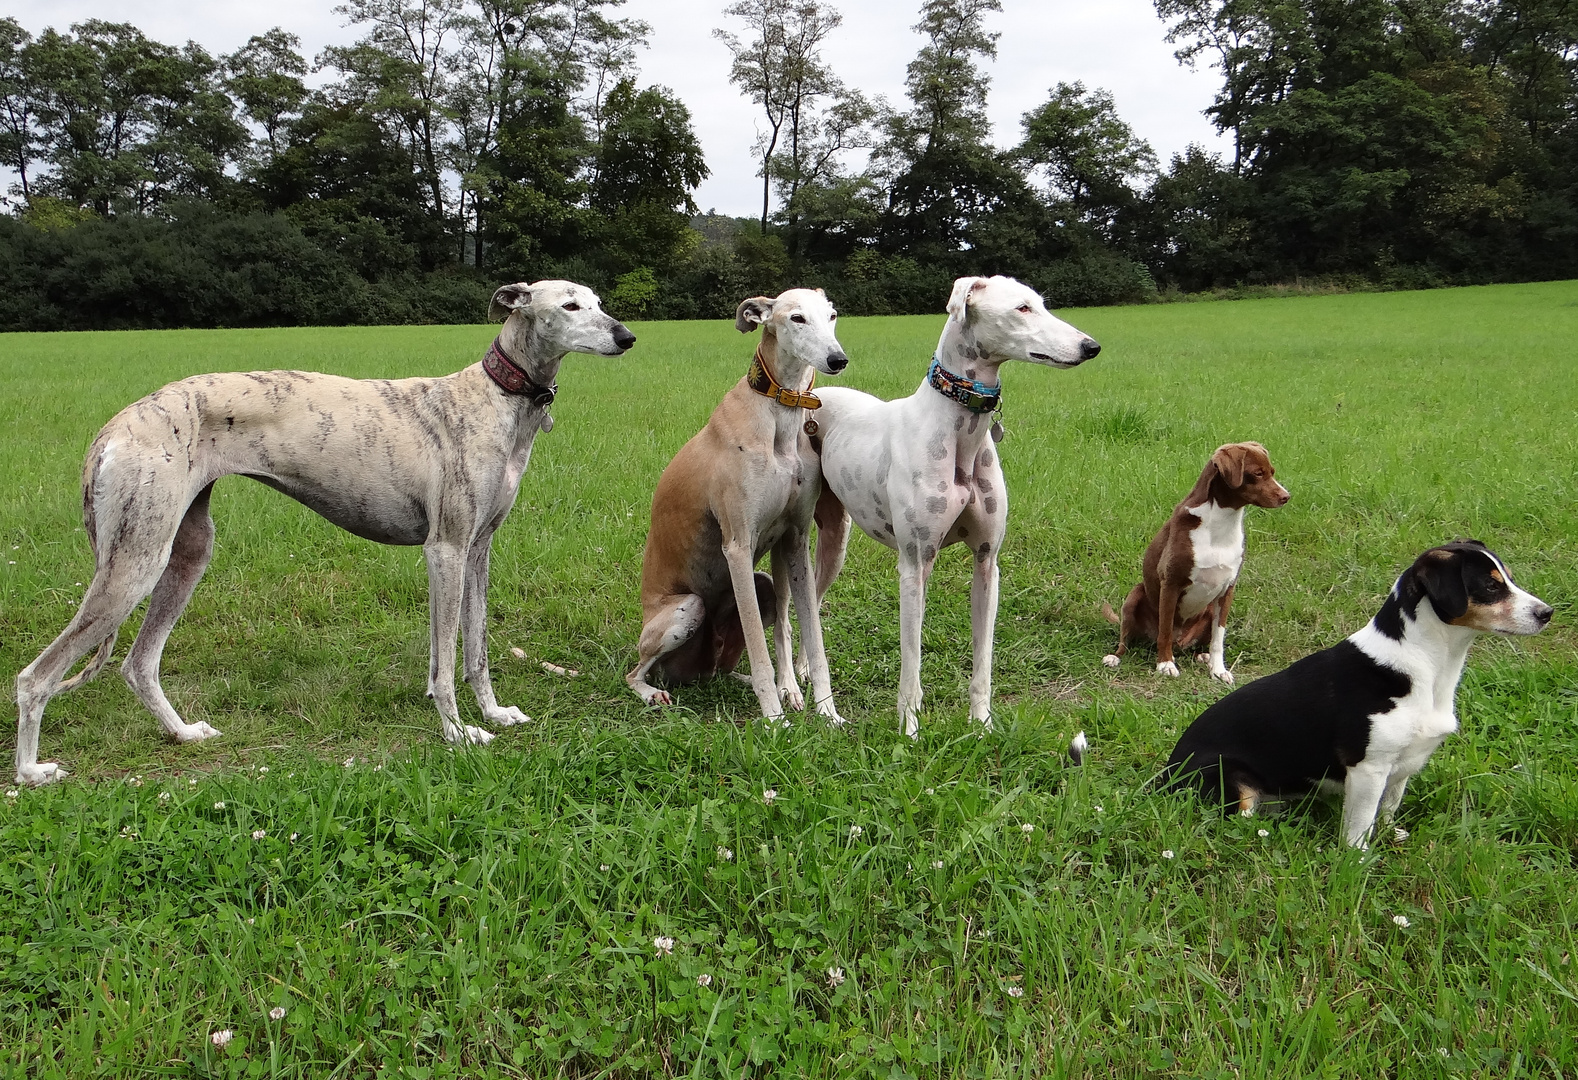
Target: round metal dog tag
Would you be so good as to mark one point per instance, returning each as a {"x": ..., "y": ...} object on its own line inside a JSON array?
[
  {"x": 997, "y": 431},
  {"x": 547, "y": 423}
]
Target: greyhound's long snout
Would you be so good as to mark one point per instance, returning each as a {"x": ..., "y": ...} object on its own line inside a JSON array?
[
  {"x": 837, "y": 361},
  {"x": 623, "y": 337},
  {"x": 1089, "y": 348}
]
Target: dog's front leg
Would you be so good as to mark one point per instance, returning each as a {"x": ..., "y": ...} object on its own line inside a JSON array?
[
  {"x": 1362, "y": 790},
  {"x": 912, "y": 612},
  {"x": 474, "y": 634},
  {"x": 783, "y": 638},
  {"x": 738, "y": 552},
  {"x": 1219, "y": 637},
  {"x": 446, "y": 571},
  {"x": 983, "y": 622},
  {"x": 1166, "y": 612},
  {"x": 795, "y": 551}
]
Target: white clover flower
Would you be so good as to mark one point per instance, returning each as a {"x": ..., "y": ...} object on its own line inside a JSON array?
[
  {"x": 1016, "y": 991},
  {"x": 1167, "y": 854},
  {"x": 258, "y": 834},
  {"x": 252, "y": 922},
  {"x": 293, "y": 837},
  {"x": 165, "y": 796},
  {"x": 604, "y": 867},
  {"x": 703, "y": 980},
  {"x": 835, "y": 977},
  {"x": 378, "y": 768},
  {"x": 725, "y": 854},
  {"x": 348, "y": 762},
  {"x": 1098, "y": 810},
  {"x": 134, "y": 781},
  {"x": 937, "y": 864},
  {"x": 855, "y": 831},
  {"x": 222, "y": 1037},
  {"x": 219, "y": 805},
  {"x": 769, "y": 795},
  {"x": 12, "y": 793},
  {"x": 931, "y": 791},
  {"x": 1262, "y": 833},
  {"x": 262, "y": 769},
  {"x": 1401, "y": 920},
  {"x": 1400, "y": 835},
  {"x": 277, "y": 1013},
  {"x": 664, "y": 945},
  {"x": 191, "y": 781},
  {"x": 1027, "y": 828}
]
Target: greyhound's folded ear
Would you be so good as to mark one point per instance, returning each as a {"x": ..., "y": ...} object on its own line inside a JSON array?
[
  {"x": 752, "y": 313},
  {"x": 1229, "y": 462},
  {"x": 509, "y": 298},
  {"x": 959, "y": 301}
]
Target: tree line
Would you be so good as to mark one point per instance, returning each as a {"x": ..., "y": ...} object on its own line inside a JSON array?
[{"x": 458, "y": 143}]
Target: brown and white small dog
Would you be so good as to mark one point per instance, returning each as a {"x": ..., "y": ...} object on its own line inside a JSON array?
[
  {"x": 746, "y": 484},
  {"x": 1193, "y": 563}
]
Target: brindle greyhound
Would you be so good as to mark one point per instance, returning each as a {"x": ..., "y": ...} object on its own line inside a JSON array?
[{"x": 435, "y": 462}]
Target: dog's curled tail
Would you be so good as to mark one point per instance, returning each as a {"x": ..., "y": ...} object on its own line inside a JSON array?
[
  {"x": 1110, "y": 615},
  {"x": 1078, "y": 747},
  {"x": 94, "y": 665}
]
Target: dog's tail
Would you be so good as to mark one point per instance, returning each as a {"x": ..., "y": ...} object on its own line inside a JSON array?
[
  {"x": 1110, "y": 615},
  {"x": 94, "y": 665}
]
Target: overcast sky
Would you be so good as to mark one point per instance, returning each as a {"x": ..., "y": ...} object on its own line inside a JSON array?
[{"x": 1115, "y": 44}]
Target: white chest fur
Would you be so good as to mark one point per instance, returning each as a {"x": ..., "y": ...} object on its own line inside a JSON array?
[{"x": 1218, "y": 555}]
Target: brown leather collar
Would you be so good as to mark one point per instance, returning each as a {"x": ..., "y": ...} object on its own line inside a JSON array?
[
  {"x": 513, "y": 380},
  {"x": 761, "y": 380}
]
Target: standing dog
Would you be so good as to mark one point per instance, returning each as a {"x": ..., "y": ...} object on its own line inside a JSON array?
[
  {"x": 1363, "y": 716},
  {"x": 920, "y": 473},
  {"x": 746, "y": 484},
  {"x": 434, "y": 462},
  {"x": 1192, "y": 565}
]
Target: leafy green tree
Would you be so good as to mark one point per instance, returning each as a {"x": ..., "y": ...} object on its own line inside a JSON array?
[
  {"x": 265, "y": 77},
  {"x": 645, "y": 166},
  {"x": 19, "y": 137},
  {"x": 1089, "y": 157}
]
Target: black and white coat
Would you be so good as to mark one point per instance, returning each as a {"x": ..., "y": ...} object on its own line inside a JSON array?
[{"x": 1363, "y": 716}]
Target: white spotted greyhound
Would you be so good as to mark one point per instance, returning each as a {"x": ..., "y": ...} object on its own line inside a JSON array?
[{"x": 920, "y": 473}]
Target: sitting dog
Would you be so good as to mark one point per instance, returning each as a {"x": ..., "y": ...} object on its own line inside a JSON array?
[
  {"x": 746, "y": 484},
  {"x": 1192, "y": 565},
  {"x": 423, "y": 461},
  {"x": 920, "y": 473},
  {"x": 1365, "y": 715}
]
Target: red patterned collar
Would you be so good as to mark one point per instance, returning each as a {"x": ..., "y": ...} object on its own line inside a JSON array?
[{"x": 513, "y": 380}]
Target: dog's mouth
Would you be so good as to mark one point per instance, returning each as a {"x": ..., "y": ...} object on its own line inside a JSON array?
[{"x": 1048, "y": 358}]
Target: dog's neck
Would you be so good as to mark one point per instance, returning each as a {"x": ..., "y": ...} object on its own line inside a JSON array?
[
  {"x": 1429, "y": 649},
  {"x": 526, "y": 349},
  {"x": 961, "y": 353},
  {"x": 787, "y": 370}
]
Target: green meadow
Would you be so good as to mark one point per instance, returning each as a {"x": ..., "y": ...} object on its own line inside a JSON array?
[{"x": 959, "y": 906}]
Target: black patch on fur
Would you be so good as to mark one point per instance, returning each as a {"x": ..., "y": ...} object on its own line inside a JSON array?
[
  {"x": 1282, "y": 734},
  {"x": 1449, "y": 576}
]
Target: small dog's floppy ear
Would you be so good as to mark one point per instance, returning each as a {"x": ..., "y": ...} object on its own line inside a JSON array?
[
  {"x": 959, "y": 301},
  {"x": 509, "y": 298},
  {"x": 1229, "y": 462},
  {"x": 752, "y": 313},
  {"x": 1440, "y": 573}
]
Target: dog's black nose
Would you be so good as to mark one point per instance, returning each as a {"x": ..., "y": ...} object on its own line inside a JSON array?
[
  {"x": 623, "y": 337},
  {"x": 837, "y": 361},
  {"x": 1542, "y": 614},
  {"x": 1088, "y": 348}
]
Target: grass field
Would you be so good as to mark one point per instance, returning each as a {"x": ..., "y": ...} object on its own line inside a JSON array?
[{"x": 422, "y": 912}]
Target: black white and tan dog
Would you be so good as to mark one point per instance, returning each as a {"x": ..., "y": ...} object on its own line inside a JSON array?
[
  {"x": 434, "y": 462},
  {"x": 1365, "y": 715}
]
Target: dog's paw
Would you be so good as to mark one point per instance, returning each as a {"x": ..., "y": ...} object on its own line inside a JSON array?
[
  {"x": 507, "y": 716},
  {"x": 1167, "y": 667},
  {"x": 1111, "y": 660},
  {"x": 827, "y": 710},
  {"x": 197, "y": 732},
  {"x": 1224, "y": 675},
  {"x": 466, "y": 735},
  {"x": 793, "y": 699},
  {"x": 44, "y": 772},
  {"x": 658, "y": 697},
  {"x": 1202, "y": 658}
]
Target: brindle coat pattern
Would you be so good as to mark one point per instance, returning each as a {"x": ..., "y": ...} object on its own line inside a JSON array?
[{"x": 430, "y": 461}]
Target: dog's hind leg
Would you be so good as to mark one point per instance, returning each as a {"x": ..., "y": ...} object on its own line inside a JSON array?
[
  {"x": 474, "y": 636},
  {"x": 674, "y": 623},
  {"x": 832, "y": 544},
  {"x": 1128, "y": 623},
  {"x": 794, "y": 552},
  {"x": 446, "y": 575},
  {"x": 189, "y": 555}
]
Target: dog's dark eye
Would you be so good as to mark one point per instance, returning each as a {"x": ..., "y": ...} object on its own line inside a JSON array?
[
  {"x": 1023, "y": 309},
  {"x": 572, "y": 306},
  {"x": 833, "y": 317},
  {"x": 797, "y": 318}
]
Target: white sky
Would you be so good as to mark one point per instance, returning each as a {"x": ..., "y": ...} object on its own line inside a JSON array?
[{"x": 1114, "y": 44}]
